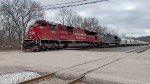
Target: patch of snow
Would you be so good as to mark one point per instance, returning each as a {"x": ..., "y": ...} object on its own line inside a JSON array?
[{"x": 14, "y": 78}]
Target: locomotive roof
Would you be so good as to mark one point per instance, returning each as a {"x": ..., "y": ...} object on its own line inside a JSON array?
[
  {"x": 91, "y": 32},
  {"x": 87, "y": 31},
  {"x": 41, "y": 21}
]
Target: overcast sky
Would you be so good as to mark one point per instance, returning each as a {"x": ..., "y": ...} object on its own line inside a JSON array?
[{"x": 130, "y": 17}]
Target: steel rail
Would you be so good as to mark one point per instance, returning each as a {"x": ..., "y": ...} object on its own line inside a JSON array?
[
  {"x": 37, "y": 79},
  {"x": 134, "y": 50},
  {"x": 144, "y": 49}
]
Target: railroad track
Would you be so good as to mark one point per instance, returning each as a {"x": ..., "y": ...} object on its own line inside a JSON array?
[
  {"x": 78, "y": 79},
  {"x": 141, "y": 49},
  {"x": 74, "y": 74}
]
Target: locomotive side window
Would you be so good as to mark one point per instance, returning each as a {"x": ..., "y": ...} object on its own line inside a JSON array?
[
  {"x": 40, "y": 24},
  {"x": 52, "y": 27},
  {"x": 70, "y": 30}
]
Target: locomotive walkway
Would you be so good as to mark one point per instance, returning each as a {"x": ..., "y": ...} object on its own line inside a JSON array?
[{"x": 77, "y": 73}]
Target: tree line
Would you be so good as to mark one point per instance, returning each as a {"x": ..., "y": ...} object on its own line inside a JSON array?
[
  {"x": 71, "y": 18},
  {"x": 15, "y": 16}
]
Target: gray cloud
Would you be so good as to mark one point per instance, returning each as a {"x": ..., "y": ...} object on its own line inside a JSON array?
[{"x": 130, "y": 17}]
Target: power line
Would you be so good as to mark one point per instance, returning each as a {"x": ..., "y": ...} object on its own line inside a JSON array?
[
  {"x": 65, "y": 3},
  {"x": 66, "y": 6},
  {"x": 74, "y": 5}
]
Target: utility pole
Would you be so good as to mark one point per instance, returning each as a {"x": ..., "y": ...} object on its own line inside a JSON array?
[{"x": 22, "y": 37}]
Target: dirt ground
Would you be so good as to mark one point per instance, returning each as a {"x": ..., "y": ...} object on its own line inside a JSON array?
[{"x": 134, "y": 69}]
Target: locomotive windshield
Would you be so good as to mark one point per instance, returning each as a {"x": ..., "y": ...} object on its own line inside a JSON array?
[{"x": 40, "y": 24}]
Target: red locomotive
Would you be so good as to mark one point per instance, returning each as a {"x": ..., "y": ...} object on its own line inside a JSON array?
[{"x": 46, "y": 35}]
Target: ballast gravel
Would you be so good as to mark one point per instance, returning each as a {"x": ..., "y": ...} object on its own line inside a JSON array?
[{"x": 14, "y": 78}]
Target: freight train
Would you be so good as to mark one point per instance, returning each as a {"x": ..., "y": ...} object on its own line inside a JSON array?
[{"x": 44, "y": 35}]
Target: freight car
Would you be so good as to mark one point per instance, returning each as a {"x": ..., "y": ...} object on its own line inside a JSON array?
[
  {"x": 131, "y": 42},
  {"x": 123, "y": 42}
]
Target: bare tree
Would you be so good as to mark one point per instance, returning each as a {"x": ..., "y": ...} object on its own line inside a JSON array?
[
  {"x": 61, "y": 16},
  {"x": 104, "y": 29},
  {"x": 91, "y": 24},
  {"x": 71, "y": 18},
  {"x": 68, "y": 17},
  {"x": 16, "y": 14}
]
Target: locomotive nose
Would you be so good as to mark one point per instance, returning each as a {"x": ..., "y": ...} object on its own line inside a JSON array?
[
  {"x": 31, "y": 34},
  {"x": 34, "y": 33}
]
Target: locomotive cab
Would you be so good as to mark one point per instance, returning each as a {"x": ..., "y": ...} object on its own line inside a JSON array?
[{"x": 34, "y": 31}]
